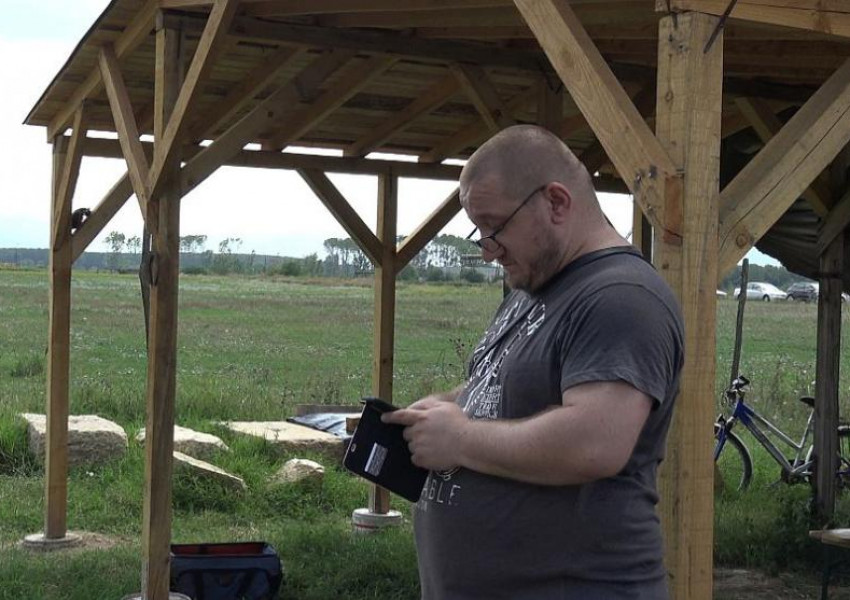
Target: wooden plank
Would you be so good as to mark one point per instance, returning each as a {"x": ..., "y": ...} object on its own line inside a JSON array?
[
  {"x": 58, "y": 356},
  {"x": 484, "y": 96},
  {"x": 162, "y": 341},
  {"x": 342, "y": 211},
  {"x": 641, "y": 232},
  {"x": 428, "y": 101},
  {"x": 125, "y": 123},
  {"x": 279, "y": 8},
  {"x": 426, "y": 231},
  {"x": 550, "y": 104},
  {"x": 834, "y": 224},
  {"x": 688, "y": 118},
  {"x": 827, "y": 378},
  {"x": 752, "y": 202},
  {"x": 61, "y": 221},
  {"x": 384, "y": 320},
  {"x": 476, "y": 131},
  {"x": 242, "y": 93},
  {"x": 636, "y": 153},
  {"x": 107, "y": 208},
  {"x": 263, "y": 116},
  {"x": 346, "y": 87},
  {"x": 209, "y": 47},
  {"x": 132, "y": 36},
  {"x": 823, "y": 16},
  {"x": 106, "y": 148},
  {"x": 766, "y": 125}
]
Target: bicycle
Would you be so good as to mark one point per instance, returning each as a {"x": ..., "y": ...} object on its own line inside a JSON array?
[{"x": 735, "y": 469}]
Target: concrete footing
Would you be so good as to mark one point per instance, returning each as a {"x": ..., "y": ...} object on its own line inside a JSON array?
[
  {"x": 171, "y": 596},
  {"x": 365, "y": 521},
  {"x": 37, "y": 541}
]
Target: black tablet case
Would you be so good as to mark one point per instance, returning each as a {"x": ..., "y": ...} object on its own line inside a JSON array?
[{"x": 378, "y": 452}]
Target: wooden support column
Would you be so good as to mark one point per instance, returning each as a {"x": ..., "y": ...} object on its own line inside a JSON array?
[
  {"x": 641, "y": 232},
  {"x": 826, "y": 378},
  {"x": 382, "y": 367},
  {"x": 688, "y": 126},
  {"x": 66, "y": 168},
  {"x": 829, "y": 354},
  {"x": 164, "y": 215}
]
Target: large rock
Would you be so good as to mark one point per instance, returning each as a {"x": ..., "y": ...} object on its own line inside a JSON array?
[
  {"x": 91, "y": 439},
  {"x": 184, "y": 463},
  {"x": 300, "y": 470},
  {"x": 194, "y": 443},
  {"x": 291, "y": 438}
]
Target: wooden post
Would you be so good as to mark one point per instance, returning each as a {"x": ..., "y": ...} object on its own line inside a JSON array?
[
  {"x": 164, "y": 215},
  {"x": 828, "y": 357},
  {"x": 58, "y": 357},
  {"x": 688, "y": 126},
  {"x": 641, "y": 232},
  {"x": 382, "y": 367}
]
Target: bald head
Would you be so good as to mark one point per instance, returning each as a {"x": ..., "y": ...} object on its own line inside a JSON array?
[{"x": 522, "y": 157}]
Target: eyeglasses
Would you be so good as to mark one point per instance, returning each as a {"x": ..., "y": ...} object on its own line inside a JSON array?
[{"x": 489, "y": 242}]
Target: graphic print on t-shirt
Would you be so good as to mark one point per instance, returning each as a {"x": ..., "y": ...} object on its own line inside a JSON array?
[{"x": 482, "y": 398}]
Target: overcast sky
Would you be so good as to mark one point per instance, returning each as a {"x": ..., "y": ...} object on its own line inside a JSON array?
[{"x": 273, "y": 212}]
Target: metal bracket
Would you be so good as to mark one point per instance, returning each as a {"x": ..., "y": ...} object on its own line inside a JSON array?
[{"x": 719, "y": 27}]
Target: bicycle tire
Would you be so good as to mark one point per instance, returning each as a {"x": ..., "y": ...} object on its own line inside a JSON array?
[
  {"x": 843, "y": 474},
  {"x": 735, "y": 467}
]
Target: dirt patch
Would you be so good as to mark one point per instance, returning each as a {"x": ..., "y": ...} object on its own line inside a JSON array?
[{"x": 739, "y": 584}]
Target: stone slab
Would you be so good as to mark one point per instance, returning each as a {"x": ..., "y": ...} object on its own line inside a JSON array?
[
  {"x": 291, "y": 437},
  {"x": 91, "y": 439},
  {"x": 194, "y": 443},
  {"x": 185, "y": 463}
]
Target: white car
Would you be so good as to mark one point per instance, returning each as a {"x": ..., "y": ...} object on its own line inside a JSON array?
[{"x": 759, "y": 290}]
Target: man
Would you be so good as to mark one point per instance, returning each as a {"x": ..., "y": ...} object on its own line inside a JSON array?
[{"x": 543, "y": 465}]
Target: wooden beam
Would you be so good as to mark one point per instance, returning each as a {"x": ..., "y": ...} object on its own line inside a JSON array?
[
  {"x": 164, "y": 213},
  {"x": 484, "y": 96},
  {"x": 766, "y": 125},
  {"x": 278, "y": 8},
  {"x": 430, "y": 227},
  {"x": 339, "y": 207},
  {"x": 263, "y": 116},
  {"x": 242, "y": 93},
  {"x": 106, "y": 148},
  {"x": 346, "y": 87},
  {"x": 834, "y": 224},
  {"x": 550, "y": 104},
  {"x": 636, "y": 153},
  {"x": 67, "y": 185},
  {"x": 107, "y": 208},
  {"x": 58, "y": 354},
  {"x": 827, "y": 377},
  {"x": 830, "y": 17},
  {"x": 132, "y": 36},
  {"x": 384, "y": 320},
  {"x": 209, "y": 46},
  {"x": 779, "y": 174},
  {"x": 475, "y": 131},
  {"x": 688, "y": 117},
  {"x": 125, "y": 123},
  {"x": 386, "y": 42},
  {"x": 426, "y": 102}
]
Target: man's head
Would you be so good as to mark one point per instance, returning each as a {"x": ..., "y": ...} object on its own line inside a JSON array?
[{"x": 533, "y": 203}]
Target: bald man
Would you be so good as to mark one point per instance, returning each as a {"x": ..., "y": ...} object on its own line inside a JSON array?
[{"x": 543, "y": 464}]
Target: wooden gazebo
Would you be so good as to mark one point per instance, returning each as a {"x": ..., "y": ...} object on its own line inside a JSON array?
[{"x": 727, "y": 120}]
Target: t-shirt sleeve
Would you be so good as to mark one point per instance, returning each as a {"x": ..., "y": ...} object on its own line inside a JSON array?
[{"x": 623, "y": 332}]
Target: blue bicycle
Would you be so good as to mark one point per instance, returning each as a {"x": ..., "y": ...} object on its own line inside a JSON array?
[{"x": 734, "y": 464}]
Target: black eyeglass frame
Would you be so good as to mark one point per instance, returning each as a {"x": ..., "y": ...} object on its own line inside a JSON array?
[{"x": 483, "y": 242}]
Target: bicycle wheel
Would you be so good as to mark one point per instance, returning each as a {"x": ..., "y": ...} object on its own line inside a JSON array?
[
  {"x": 733, "y": 469},
  {"x": 843, "y": 474}
]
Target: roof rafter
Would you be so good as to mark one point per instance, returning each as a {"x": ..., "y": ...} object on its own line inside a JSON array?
[{"x": 484, "y": 96}]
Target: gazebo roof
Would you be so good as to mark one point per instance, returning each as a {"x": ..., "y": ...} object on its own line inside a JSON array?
[{"x": 434, "y": 78}]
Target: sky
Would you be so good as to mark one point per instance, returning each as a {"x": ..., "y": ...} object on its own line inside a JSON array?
[{"x": 271, "y": 211}]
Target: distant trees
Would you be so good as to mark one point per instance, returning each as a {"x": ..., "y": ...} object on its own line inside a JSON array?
[{"x": 115, "y": 240}]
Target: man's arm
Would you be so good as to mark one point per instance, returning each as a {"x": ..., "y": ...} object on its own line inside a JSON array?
[{"x": 591, "y": 436}]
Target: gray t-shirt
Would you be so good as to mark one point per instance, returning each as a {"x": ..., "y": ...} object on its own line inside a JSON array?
[{"x": 606, "y": 317}]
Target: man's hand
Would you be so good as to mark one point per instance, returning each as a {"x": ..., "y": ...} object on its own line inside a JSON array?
[{"x": 434, "y": 430}]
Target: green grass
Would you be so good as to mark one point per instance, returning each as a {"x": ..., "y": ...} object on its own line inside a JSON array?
[{"x": 253, "y": 348}]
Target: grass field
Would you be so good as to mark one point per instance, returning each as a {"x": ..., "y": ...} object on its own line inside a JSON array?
[{"x": 251, "y": 349}]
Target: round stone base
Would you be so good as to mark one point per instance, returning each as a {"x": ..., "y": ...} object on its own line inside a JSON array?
[
  {"x": 171, "y": 596},
  {"x": 365, "y": 521},
  {"x": 37, "y": 541}
]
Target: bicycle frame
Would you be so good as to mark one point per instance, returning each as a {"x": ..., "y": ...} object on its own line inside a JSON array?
[{"x": 750, "y": 419}]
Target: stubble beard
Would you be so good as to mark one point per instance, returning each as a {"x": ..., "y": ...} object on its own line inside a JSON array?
[{"x": 540, "y": 269}]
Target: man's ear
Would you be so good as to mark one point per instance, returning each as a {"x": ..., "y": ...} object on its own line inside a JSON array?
[{"x": 560, "y": 201}]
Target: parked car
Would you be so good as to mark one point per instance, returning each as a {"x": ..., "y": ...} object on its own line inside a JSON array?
[
  {"x": 721, "y": 294},
  {"x": 805, "y": 291},
  {"x": 760, "y": 290}
]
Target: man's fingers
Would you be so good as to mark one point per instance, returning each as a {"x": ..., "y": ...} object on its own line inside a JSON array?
[{"x": 402, "y": 416}]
